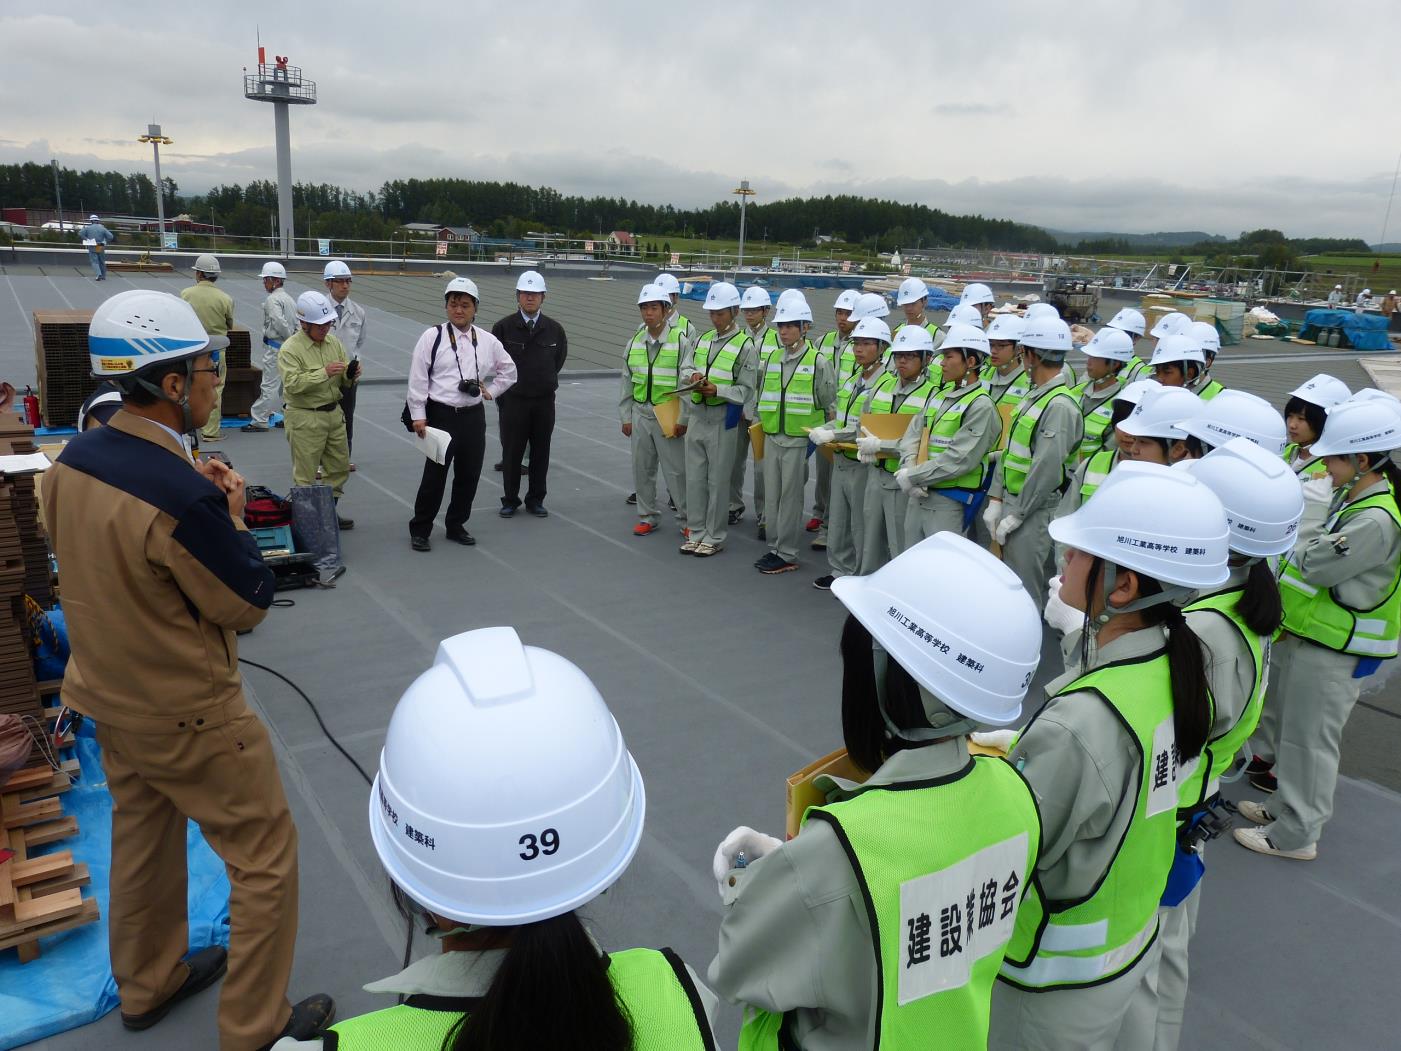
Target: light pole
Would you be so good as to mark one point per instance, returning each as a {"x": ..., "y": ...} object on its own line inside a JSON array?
[
  {"x": 157, "y": 140},
  {"x": 743, "y": 192}
]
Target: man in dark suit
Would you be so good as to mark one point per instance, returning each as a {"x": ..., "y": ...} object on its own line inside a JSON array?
[{"x": 538, "y": 346}]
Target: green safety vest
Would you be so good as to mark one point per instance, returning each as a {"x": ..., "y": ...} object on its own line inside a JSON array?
[
  {"x": 653, "y": 985},
  {"x": 943, "y": 867},
  {"x": 722, "y": 369},
  {"x": 1314, "y": 468},
  {"x": 1101, "y": 463},
  {"x": 842, "y": 357},
  {"x": 1011, "y": 396},
  {"x": 1135, "y": 368},
  {"x": 1067, "y": 944},
  {"x": 680, "y": 320},
  {"x": 652, "y": 379},
  {"x": 1315, "y": 614},
  {"x": 1211, "y": 390},
  {"x": 1096, "y": 420},
  {"x": 1021, "y": 442},
  {"x": 935, "y": 370},
  {"x": 1203, "y": 781},
  {"x": 790, "y": 410},
  {"x": 943, "y": 424},
  {"x": 882, "y": 400},
  {"x": 847, "y": 401}
]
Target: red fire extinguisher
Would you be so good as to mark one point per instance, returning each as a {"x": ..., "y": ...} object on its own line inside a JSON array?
[{"x": 31, "y": 407}]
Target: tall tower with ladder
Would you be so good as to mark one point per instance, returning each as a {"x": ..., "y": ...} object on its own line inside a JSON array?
[{"x": 283, "y": 86}]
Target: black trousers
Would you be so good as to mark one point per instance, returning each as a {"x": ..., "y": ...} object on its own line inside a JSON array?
[
  {"x": 348, "y": 407},
  {"x": 525, "y": 421},
  {"x": 468, "y": 430}
]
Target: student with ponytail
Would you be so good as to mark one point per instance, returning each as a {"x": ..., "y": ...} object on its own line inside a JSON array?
[
  {"x": 1103, "y": 755},
  {"x": 1263, "y": 501},
  {"x": 495, "y": 848}
]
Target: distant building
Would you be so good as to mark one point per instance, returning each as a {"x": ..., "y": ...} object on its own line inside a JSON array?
[
  {"x": 439, "y": 232},
  {"x": 622, "y": 243}
]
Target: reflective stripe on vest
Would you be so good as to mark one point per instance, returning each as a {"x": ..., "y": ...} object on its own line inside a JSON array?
[
  {"x": 943, "y": 424},
  {"x": 1136, "y": 368},
  {"x": 790, "y": 410},
  {"x": 720, "y": 370},
  {"x": 1101, "y": 463},
  {"x": 882, "y": 400},
  {"x": 842, "y": 357},
  {"x": 1210, "y": 390},
  {"x": 1314, "y": 613},
  {"x": 1078, "y": 943},
  {"x": 941, "y": 907},
  {"x": 1021, "y": 443},
  {"x": 1008, "y": 399},
  {"x": 652, "y": 379},
  {"x": 1096, "y": 419},
  {"x": 1314, "y": 468},
  {"x": 849, "y": 406},
  {"x": 654, "y": 985}
]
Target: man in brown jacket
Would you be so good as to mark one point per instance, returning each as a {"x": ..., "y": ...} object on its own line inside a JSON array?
[{"x": 159, "y": 574}]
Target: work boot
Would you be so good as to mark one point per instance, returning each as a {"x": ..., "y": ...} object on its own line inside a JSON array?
[
  {"x": 309, "y": 1017},
  {"x": 206, "y": 967},
  {"x": 256, "y": 428},
  {"x": 737, "y": 514},
  {"x": 345, "y": 523}
]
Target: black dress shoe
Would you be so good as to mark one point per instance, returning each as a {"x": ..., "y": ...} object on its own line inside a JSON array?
[
  {"x": 632, "y": 498},
  {"x": 206, "y": 967},
  {"x": 309, "y": 1018},
  {"x": 345, "y": 523},
  {"x": 420, "y": 543},
  {"x": 538, "y": 510},
  {"x": 461, "y": 536},
  {"x": 736, "y": 514},
  {"x": 506, "y": 511}
]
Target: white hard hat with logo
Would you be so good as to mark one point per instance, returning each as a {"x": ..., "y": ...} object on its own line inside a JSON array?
[
  {"x": 1038, "y": 311},
  {"x": 531, "y": 281},
  {"x": 721, "y": 295},
  {"x": 846, "y": 299},
  {"x": 95, "y": 219},
  {"x": 754, "y": 297},
  {"x": 1111, "y": 343},
  {"x": 505, "y": 793},
  {"x": 653, "y": 294},
  {"x": 1323, "y": 390},
  {"x": 1170, "y": 324},
  {"x": 1262, "y": 496},
  {"x": 135, "y": 330},
  {"x": 1159, "y": 413},
  {"x": 1048, "y": 336},
  {"x": 315, "y": 309},
  {"x": 206, "y": 264},
  {"x": 792, "y": 308},
  {"x": 274, "y": 270},
  {"x": 1129, "y": 320},
  {"x": 335, "y": 270},
  {"x": 965, "y": 314},
  {"x": 912, "y": 290},
  {"x": 976, "y": 294},
  {"x": 463, "y": 284},
  {"x": 1133, "y": 392},
  {"x": 912, "y": 339},
  {"x": 870, "y": 304},
  {"x": 668, "y": 284},
  {"x": 964, "y": 337},
  {"x": 1356, "y": 426},
  {"x": 958, "y": 620},
  {"x": 1238, "y": 414},
  {"x": 872, "y": 328},
  {"x": 1006, "y": 328},
  {"x": 1206, "y": 334},
  {"x": 1176, "y": 349}
]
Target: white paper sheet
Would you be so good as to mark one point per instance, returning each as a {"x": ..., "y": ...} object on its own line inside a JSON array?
[
  {"x": 434, "y": 444},
  {"x": 26, "y": 464}
]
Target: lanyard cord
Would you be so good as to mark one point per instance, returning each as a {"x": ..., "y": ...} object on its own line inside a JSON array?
[{"x": 476, "y": 361}]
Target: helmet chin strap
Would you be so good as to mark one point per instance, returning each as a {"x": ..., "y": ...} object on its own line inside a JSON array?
[
  {"x": 944, "y": 725},
  {"x": 1345, "y": 490},
  {"x": 1175, "y": 594},
  {"x": 183, "y": 401}
]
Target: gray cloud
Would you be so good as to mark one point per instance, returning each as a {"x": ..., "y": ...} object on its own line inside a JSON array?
[{"x": 973, "y": 109}]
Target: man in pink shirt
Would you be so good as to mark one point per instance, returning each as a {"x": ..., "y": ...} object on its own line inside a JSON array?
[{"x": 454, "y": 368}]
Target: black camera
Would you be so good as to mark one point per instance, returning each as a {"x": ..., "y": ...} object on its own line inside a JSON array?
[{"x": 471, "y": 388}]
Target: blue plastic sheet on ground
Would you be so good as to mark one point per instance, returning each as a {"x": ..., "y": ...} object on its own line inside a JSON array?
[
  {"x": 71, "y": 984},
  {"x": 1363, "y": 331}
]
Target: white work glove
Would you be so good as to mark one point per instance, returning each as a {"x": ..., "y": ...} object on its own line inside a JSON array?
[
  {"x": 1001, "y": 740},
  {"x": 992, "y": 514},
  {"x": 1006, "y": 526},
  {"x": 902, "y": 479},
  {"x": 867, "y": 446},
  {"x": 822, "y": 435},
  {"x": 754, "y": 846},
  {"x": 1319, "y": 489},
  {"x": 1059, "y": 614}
]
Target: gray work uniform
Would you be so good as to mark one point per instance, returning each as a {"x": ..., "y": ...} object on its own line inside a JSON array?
[
  {"x": 711, "y": 448},
  {"x": 1058, "y": 432},
  {"x": 822, "y": 492},
  {"x": 886, "y": 504},
  {"x": 349, "y": 328},
  {"x": 930, "y": 512},
  {"x": 796, "y": 936},
  {"x": 1083, "y": 766},
  {"x": 1313, "y": 686},
  {"x": 650, "y": 447},
  {"x": 846, "y": 523},
  {"x": 743, "y": 448},
  {"x": 785, "y": 459},
  {"x": 997, "y": 386},
  {"x": 279, "y": 324}
]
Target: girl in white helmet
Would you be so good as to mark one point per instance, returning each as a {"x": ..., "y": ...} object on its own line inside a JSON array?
[
  {"x": 1304, "y": 415},
  {"x": 884, "y": 920},
  {"x": 496, "y": 850},
  {"x": 1103, "y": 757},
  {"x": 1342, "y": 618}
]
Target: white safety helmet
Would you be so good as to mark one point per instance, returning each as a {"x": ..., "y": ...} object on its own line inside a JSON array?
[
  {"x": 1113, "y": 344},
  {"x": 1048, "y": 336},
  {"x": 1323, "y": 390},
  {"x": 792, "y": 307},
  {"x": 1159, "y": 413},
  {"x": 1153, "y": 520},
  {"x": 206, "y": 264},
  {"x": 1374, "y": 395},
  {"x": 653, "y": 294},
  {"x": 872, "y": 328},
  {"x": 315, "y": 309},
  {"x": 94, "y": 219},
  {"x": 755, "y": 296},
  {"x": 976, "y": 293},
  {"x": 912, "y": 290},
  {"x": 462, "y": 284},
  {"x": 1262, "y": 496},
  {"x": 965, "y": 314},
  {"x": 721, "y": 295},
  {"x": 1238, "y": 414},
  {"x": 958, "y": 620},
  {"x": 1367, "y": 425},
  {"x": 912, "y": 339},
  {"x": 276, "y": 270},
  {"x": 531, "y": 281},
  {"x": 668, "y": 284},
  {"x": 1177, "y": 349},
  {"x": 134, "y": 330},
  {"x": 1366, "y": 291},
  {"x": 846, "y": 299},
  {"x": 1206, "y": 334},
  {"x": 336, "y": 268},
  {"x": 500, "y": 836},
  {"x": 1128, "y": 320},
  {"x": 1173, "y": 323},
  {"x": 870, "y": 304},
  {"x": 964, "y": 337},
  {"x": 1006, "y": 328},
  {"x": 1037, "y": 311},
  {"x": 1133, "y": 392}
]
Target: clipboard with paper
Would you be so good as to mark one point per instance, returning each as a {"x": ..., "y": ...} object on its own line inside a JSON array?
[
  {"x": 756, "y": 439},
  {"x": 888, "y": 427},
  {"x": 668, "y": 413}
]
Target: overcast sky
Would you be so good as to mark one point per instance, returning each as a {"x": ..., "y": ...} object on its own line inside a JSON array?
[{"x": 1220, "y": 116}]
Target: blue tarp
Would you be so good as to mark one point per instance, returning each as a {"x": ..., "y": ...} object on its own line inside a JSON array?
[
  {"x": 71, "y": 984},
  {"x": 1362, "y": 331}
]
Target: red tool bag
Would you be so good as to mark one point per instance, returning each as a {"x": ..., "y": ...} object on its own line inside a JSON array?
[{"x": 263, "y": 507}]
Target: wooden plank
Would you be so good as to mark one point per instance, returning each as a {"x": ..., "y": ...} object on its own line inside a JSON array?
[
  {"x": 36, "y": 870},
  {"x": 52, "y": 831},
  {"x": 79, "y": 877},
  {"x": 28, "y": 941},
  {"x": 40, "y": 910},
  {"x": 60, "y": 781},
  {"x": 22, "y": 815}
]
